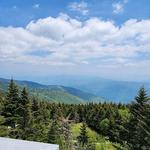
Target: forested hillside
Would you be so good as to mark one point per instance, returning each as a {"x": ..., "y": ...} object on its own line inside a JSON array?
[
  {"x": 92, "y": 126},
  {"x": 113, "y": 90},
  {"x": 54, "y": 93}
]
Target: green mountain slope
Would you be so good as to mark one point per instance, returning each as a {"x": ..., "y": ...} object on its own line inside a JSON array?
[
  {"x": 112, "y": 90},
  {"x": 54, "y": 93}
]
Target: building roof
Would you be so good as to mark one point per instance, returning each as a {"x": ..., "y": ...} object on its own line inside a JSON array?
[{"x": 13, "y": 144}]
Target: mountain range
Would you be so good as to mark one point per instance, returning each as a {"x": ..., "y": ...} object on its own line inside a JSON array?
[
  {"x": 110, "y": 90},
  {"x": 53, "y": 93},
  {"x": 81, "y": 89}
]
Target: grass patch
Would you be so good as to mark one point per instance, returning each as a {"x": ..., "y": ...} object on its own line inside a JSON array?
[{"x": 100, "y": 142}]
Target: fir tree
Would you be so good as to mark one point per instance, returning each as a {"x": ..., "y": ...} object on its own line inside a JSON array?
[
  {"x": 53, "y": 133},
  {"x": 25, "y": 109},
  {"x": 3, "y": 129},
  {"x": 83, "y": 137},
  {"x": 11, "y": 105},
  {"x": 35, "y": 107},
  {"x": 139, "y": 131}
]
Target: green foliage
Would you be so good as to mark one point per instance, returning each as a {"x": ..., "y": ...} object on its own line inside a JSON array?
[
  {"x": 57, "y": 95},
  {"x": 25, "y": 116},
  {"x": 108, "y": 126},
  {"x": 11, "y": 105},
  {"x": 2, "y": 101},
  {"x": 53, "y": 133},
  {"x": 92, "y": 135},
  {"x": 95, "y": 140},
  {"x": 54, "y": 93},
  {"x": 124, "y": 114},
  {"x": 139, "y": 130},
  {"x": 104, "y": 125},
  {"x": 83, "y": 137},
  {"x": 106, "y": 145},
  {"x": 25, "y": 109},
  {"x": 3, "y": 129}
]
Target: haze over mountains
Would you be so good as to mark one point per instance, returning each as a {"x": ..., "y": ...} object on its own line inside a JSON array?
[
  {"x": 80, "y": 89},
  {"x": 111, "y": 90},
  {"x": 54, "y": 93}
]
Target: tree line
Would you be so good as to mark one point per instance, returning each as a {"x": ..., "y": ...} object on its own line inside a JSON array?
[{"x": 25, "y": 117}]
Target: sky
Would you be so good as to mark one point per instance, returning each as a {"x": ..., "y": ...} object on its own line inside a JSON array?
[{"x": 103, "y": 38}]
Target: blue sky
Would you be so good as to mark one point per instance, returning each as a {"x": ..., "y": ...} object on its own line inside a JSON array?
[
  {"x": 108, "y": 38},
  {"x": 20, "y": 13}
]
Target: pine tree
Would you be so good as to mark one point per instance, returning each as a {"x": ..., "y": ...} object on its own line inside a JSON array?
[
  {"x": 2, "y": 101},
  {"x": 83, "y": 137},
  {"x": 11, "y": 105},
  {"x": 35, "y": 107},
  {"x": 25, "y": 109},
  {"x": 3, "y": 129},
  {"x": 53, "y": 133},
  {"x": 139, "y": 131}
]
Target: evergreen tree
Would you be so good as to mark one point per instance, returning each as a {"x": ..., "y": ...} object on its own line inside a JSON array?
[
  {"x": 3, "y": 129},
  {"x": 110, "y": 120},
  {"x": 35, "y": 107},
  {"x": 139, "y": 131},
  {"x": 25, "y": 117},
  {"x": 25, "y": 109},
  {"x": 53, "y": 133},
  {"x": 11, "y": 105},
  {"x": 83, "y": 137},
  {"x": 2, "y": 101}
]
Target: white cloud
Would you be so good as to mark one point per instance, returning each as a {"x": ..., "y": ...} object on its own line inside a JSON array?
[
  {"x": 118, "y": 7},
  {"x": 81, "y": 7},
  {"x": 36, "y": 6},
  {"x": 69, "y": 42}
]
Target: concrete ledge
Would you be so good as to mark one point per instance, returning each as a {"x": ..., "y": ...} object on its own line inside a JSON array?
[{"x": 13, "y": 144}]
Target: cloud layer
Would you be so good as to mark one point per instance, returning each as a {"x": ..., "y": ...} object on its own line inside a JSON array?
[
  {"x": 81, "y": 7},
  {"x": 65, "y": 41},
  {"x": 118, "y": 7}
]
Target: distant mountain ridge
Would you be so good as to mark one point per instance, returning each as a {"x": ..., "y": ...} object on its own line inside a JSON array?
[
  {"x": 81, "y": 89},
  {"x": 54, "y": 93},
  {"x": 111, "y": 90}
]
